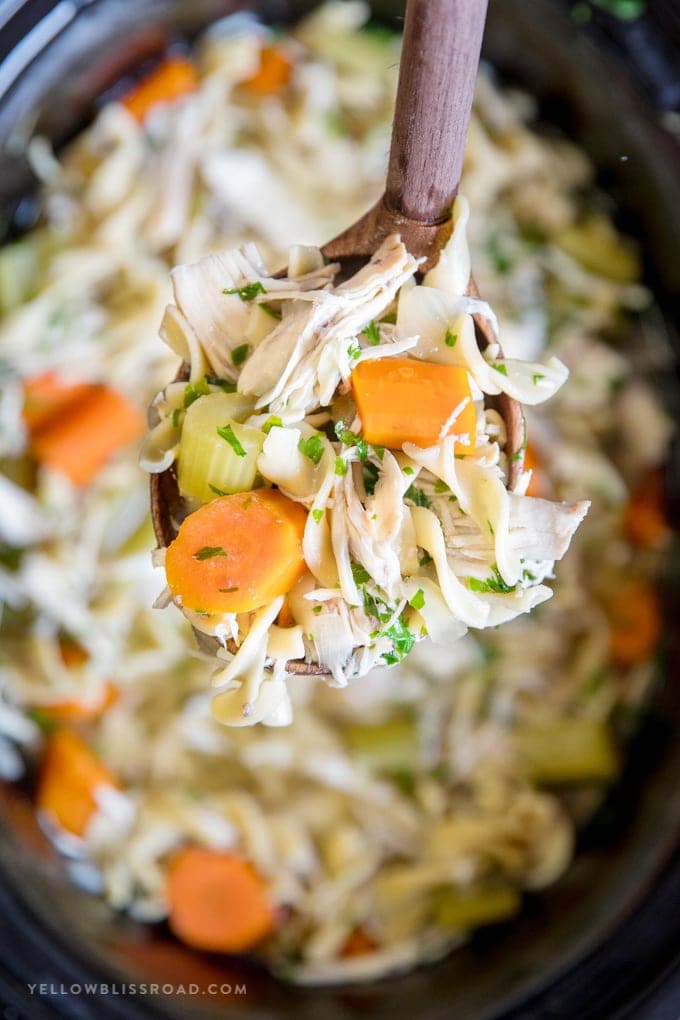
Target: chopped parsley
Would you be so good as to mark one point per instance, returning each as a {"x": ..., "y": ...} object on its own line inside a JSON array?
[
  {"x": 425, "y": 559},
  {"x": 192, "y": 391},
  {"x": 417, "y": 496},
  {"x": 240, "y": 354},
  {"x": 441, "y": 486},
  {"x": 360, "y": 574},
  {"x": 500, "y": 367},
  {"x": 403, "y": 640},
  {"x": 494, "y": 584},
  {"x": 348, "y": 438},
  {"x": 379, "y": 451},
  {"x": 317, "y": 609},
  {"x": 528, "y": 576},
  {"x": 340, "y": 466},
  {"x": 227, "y": 433},
  {"x": 490, "y": 527},
  {"x": 536, "y": 378},
  {"x": 518, "y": 455},
  {"x": 317, "y": 516},
  {"x": 209, "y": 552},
  {"x": 224, "y": 384},
  {"x": 502, "y": 264},
  {"x": 175, "y": 417},
  {"x": 269, "y": 310},
  {"x": 248, "y": 291},
  {"x": 354, "y": 352},
  {"x": 371, "y": 476},
  {"x": 418, "y": 600},
  {"x": 312, "y": 448},
  {"x": 450, "y": 339},
  {"x": 218, "y": 492},
  {"x": 372, "y": 334},
  {"x": 408, "y": 470},
  {"x": 273, "y": 421}
]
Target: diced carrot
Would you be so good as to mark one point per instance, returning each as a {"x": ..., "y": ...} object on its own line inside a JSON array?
[
  {"x": 174, "y": 78},
  {"x": 218, "y": 902},
  {"x": 84, "y": 435},
  {"x": 358, "y": 943},
  {"x": 72, "y": 711},
  {"x": 635, "y": 620},
  {"x": 272, "y": 75},
  {"x": 538, "y": 486},
  {"x": 237, "y": 552},
  {"x": 644, "y": 518},
  {"x": 285, "y": 617},
  {"x": 47, "y": 395},
  {"x": 402, "y": 400},
  {"x": 72, "y": 654},
  {"x": 71, "y": 774}
]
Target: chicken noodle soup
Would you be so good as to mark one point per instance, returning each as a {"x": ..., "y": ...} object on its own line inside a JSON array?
[
  {"x": 396, "y": 815},
  {"x": 360, "y": 406}
]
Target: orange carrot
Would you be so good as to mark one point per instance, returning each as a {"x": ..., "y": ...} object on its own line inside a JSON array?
[
  {"x": 285, "y": 617},
  {"x": 358, "y": 943},
  {"x": 635, "y": 620},
  {"x": 539, "y": 485},
  {"x": 71, "y": 773},
  {"x": 84, "y": 435},
  {"x": 272, "y": 75},
  {"x": 218, "y": 902},
  {"x": 171, "y": 80},
  {"x": 644, "y": 519},
  {"x": 72, "y": 711},
  {"x": 237, "y": 553},
  {"x": 401, "y": 400},
  {"x": 46, "y": 396}
]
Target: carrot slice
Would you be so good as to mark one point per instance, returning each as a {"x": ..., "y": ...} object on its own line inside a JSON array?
[
  {"x": 401, "y": 400},
  {"x": 218, "y": 902},
  {"x": 358, "y": 943},
  {"x": 644, "y": 518},
  {"x": 84, "y": 435},
  {"x": 635, "y": 620},
  {"x": 47, "y": 395},
  {"x": 538, "y": 486},
  {"x": 272, "y": 75},
  {"x": 171, "y": 80},
  {"x": 72, "y": 711},
  {"x": 71, "y": 773},
  {"x": 237, "y": 553}
]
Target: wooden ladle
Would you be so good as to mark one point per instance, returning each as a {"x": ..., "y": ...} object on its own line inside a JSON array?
[{"x": 439, "y": 61}]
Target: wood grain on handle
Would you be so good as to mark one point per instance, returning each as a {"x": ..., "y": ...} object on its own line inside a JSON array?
[{"x": 439, "y": 61}]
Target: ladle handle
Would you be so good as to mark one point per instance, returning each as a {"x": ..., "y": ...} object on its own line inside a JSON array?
[{"x": 439, "y": 61}]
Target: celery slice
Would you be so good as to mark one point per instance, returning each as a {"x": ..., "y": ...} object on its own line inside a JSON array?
[
  {"x": 390, "y": 746},
  {"x": 208, "y": 465},
  {"x": 567, "y": 751},
  {"x": 471, "y": 908}
]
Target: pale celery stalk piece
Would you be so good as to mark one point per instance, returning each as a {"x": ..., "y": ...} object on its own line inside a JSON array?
[
  {"x": 389, "y": 746},
  {"x": 208, "y": 465},
  {"x": 462, "y": 909},
  {"x": 567, "y": 751}
]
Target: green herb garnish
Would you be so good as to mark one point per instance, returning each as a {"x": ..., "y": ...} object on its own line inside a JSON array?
[
  {"x": 272, "y": 422},
  {"x": 312, "y": 448},
  {"x": 209, "y": 552},
  {"x": 248, "y": 291},
  {"x": 500, "y": 368},
  {"x": 372, "y": 334},
  {"x": 227, "y": 433},
  {"x": 417, "y": 496},
  {"x": 360, "y": 574},
  {"x": 371, "y": 476},
  {"x": 450, "y": 339},
  {"x": 340, "y": 466},
  {"x": 418, "y": 600},
  {"x": 240, "y": 354},
  {"x": 494, "y": 584},
  {"x": 317, "y": 516},
  {"x": 218, "y": 492}
]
